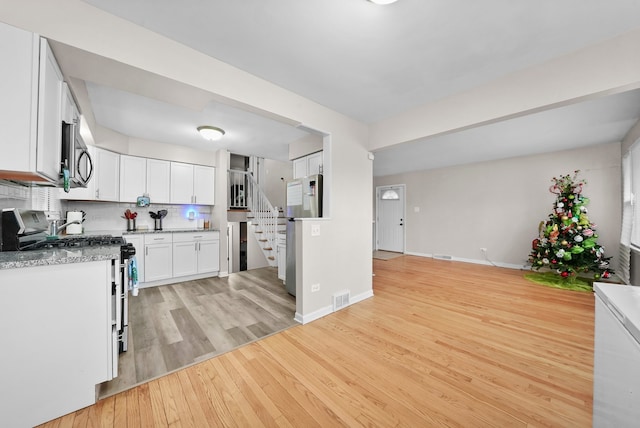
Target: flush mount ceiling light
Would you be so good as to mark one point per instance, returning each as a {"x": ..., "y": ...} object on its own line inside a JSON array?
[
  {"x": 210, "y": 132},
  {"x": 382, "y": 1}
]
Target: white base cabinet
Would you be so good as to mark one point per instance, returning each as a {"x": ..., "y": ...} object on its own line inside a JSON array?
[
  {"x": 57, "y": 344},
  {"x": 168, "y": 257},
  {"x": 158, "y": 256},
  {"x": 196, "y": 253}
]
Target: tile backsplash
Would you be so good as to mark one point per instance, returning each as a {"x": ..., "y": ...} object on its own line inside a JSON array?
[
  {"x": 101, "y": 216},
  {"x": 108, "y": 216}
]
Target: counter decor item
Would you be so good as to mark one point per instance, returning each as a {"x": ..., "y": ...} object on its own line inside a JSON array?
[
  {"x": 131, "y": 219},
  {"x": 157, "y": 217}
]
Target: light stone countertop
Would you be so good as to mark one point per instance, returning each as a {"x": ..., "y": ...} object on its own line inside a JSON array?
[{"x": 21, "y": 259}]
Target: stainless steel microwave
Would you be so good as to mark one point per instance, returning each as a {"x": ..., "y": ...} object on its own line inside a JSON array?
[{"x": 75, "y": 156}]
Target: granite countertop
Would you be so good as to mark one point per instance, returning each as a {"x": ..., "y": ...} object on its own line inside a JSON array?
[{"x": 20, "y": 259}]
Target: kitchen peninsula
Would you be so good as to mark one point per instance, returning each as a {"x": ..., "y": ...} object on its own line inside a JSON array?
[{"x": 58, "y": 344}]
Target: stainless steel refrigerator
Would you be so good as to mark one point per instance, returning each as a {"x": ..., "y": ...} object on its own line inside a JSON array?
[{"x": 304, "y": 200}]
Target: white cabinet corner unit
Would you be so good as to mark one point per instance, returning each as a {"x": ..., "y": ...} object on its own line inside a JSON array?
[
  {"x": 169, "y": 257},
  {"x": 31, "y": 108}
]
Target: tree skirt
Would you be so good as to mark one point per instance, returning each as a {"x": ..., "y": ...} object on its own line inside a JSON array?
[{"x": 554, "y": 280}]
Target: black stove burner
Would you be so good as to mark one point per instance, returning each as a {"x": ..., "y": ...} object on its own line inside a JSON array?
[{"x": 75, "y": 242}]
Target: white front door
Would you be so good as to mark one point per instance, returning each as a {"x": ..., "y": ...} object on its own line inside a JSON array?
[{"x": 390, "y": 206}]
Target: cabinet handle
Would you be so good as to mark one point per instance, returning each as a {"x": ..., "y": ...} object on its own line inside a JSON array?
[
  {"x": 97, "y": 193},
  {"x": 146, "y": 251},
  {"x": 195, "y": 246},
  {"x": 195, "y": 199},
  {"x": 197, "y": 236}
]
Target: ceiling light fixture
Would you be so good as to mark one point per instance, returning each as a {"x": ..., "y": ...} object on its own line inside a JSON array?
[
  {"x": 210, "y": 132},
  {"x": 382, "y": 1}
]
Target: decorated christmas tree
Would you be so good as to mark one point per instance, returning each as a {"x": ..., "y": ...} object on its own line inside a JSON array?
[{"x": 567, "y": 242}]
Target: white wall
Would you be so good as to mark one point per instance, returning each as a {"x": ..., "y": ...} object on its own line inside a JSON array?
[
  {"x": 498, "y": 205},
  {"x": 276, "y": 175}
]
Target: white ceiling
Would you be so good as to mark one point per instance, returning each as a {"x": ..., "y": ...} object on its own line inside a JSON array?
[{"x": 372, "y": 62}]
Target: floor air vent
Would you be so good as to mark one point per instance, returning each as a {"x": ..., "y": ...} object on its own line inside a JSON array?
[
  {"x": 340, "y": 300},
  {"x": 442, "y": 256}
]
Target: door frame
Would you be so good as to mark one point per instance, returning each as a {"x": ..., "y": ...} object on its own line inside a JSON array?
[{"x": 404, "y": 215}]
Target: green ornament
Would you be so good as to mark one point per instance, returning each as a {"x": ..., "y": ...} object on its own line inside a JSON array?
[
  {"x": 596, "y": 276},
  {"x": 571, "y": 196},
  {"x": 567, "y": 256},
  {"x": 577, "y": 249}
]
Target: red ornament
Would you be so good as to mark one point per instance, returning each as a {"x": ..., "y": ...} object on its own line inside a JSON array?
[
  {"x": 564, "y": 274},
  {"x": 535, "y": 244},
  {"x": 554, "y": 261},
  {"x": 605, "y": 274}
]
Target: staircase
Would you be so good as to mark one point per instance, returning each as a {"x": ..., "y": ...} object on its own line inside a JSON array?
[{"x": 266, "y": 220}]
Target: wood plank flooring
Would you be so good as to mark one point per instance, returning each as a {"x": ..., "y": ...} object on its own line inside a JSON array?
[
  {"x": 440, "y": 344},
  {"x": 173, "y": 326}
]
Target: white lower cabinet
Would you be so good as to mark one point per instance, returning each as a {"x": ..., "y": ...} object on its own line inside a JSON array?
[
  {"x": 196, "y": 253},
  {"x": 57, "y": 342},
  {"x": 158, "y": 256},
  {"x": 164, "y": 256}
]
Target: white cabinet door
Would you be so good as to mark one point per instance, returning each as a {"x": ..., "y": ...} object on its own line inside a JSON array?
[
  {"x": 158, "y": 180},
  {"x": 181, "y": 183},
  {"x": 18, "y": 105},
  {"x": 185, "y": 258},
  {"x": 133, "y": 177},
  {"x": 203, "y": 184},
  {"x": 300, "y": 168},
  {"x": 138, "y": 242},
  {"x": 158, "y": 261},
  {"x": 107, "y": 175},
  {"x": 49, "y": 114},
  {"x": 208, "y": 256},
  {"x": 314, "y": 164}
]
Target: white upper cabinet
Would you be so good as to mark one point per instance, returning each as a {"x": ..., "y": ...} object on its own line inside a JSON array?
[
  {"x": 181, "y": 183},
  {"x": 133, "y": 177},
  {"x": 203, "y": 185},
  {"x": 192, "y": 184},
  {"x": 107, "y": 175},
  {"x": 158, "y": 180},
  {"x": 141, "y": 175},
  {"x": 30, "y": 107},
  {"x": 308, "y": 165}
]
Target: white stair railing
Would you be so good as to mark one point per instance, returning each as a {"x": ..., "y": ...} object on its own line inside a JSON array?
[{"x": 246, "y": 193}]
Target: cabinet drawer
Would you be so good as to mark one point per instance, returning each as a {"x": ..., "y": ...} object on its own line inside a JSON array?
[
  {"x": 195, "y": 236},
  {"x": 157, "y": 238}
]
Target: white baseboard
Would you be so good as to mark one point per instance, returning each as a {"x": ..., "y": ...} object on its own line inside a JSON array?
[
  {"x": 304, "y": 319},
  {"x": 474, "y": 261},
  {"x": 223, "y": 274}
]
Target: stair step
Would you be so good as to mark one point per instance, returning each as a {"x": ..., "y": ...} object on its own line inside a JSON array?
[
  {"x": 268, "y": 249},
  {"x": 271, "y": 258},
  {"x": 263, "y": 240}
]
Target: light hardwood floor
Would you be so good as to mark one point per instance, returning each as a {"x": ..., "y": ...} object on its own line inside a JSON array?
[
  {"x": 440, "y": 344},
  {"x": 173, "y": 326}
]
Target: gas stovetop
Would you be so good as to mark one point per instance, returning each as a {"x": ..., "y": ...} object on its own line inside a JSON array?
[{"x": 72, "y": 242}]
